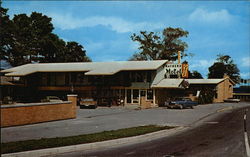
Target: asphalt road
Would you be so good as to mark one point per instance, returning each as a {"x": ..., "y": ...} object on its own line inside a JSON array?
[
  {"x": 104, "y": 119},
  {"x": 222, "y": 136}
]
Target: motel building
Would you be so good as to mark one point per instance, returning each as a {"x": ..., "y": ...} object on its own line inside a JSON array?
[{"x": 143, "y": 83}]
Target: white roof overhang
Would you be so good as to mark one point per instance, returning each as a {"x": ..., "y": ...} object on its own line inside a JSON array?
[{"x": 91, "y": 68}]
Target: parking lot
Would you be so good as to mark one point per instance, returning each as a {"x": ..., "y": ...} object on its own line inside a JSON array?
[{"x": 105, "y": 118}]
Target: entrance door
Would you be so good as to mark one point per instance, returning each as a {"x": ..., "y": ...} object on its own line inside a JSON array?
[{"x": 135, "y": 96}]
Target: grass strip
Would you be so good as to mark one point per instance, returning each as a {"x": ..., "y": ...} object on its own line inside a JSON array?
[{"x": 43, "y": 143}]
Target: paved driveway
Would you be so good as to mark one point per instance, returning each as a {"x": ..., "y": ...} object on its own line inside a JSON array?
[{"x": 103, "y": 119}]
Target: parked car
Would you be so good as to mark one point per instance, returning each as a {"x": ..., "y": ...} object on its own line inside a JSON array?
[
  {"x": 87, "y": 103},
  {"x": 51, "y": 99},
  {"x": 232, "y": 100},
  {"x": 105, "y": 102},
  {"x": 181, "y": 102}
]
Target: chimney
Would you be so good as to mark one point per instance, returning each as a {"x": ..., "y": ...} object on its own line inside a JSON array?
[{"x": 179, "y": 57}]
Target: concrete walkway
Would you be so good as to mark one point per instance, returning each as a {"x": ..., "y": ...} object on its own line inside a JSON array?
[{"x": 104, "y": 119}]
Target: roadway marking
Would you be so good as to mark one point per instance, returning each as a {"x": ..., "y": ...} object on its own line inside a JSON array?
[
  {"x": 225, "y": 109},
  {"x": 245, "y": 135}
]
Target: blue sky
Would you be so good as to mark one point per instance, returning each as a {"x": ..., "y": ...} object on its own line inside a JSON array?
[{"x": 104, "y": 27}]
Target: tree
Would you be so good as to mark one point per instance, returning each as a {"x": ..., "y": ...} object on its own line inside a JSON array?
[
  {"x": 27, "y": 39},
  {"x": 5, "y": 33},
  {"x": 194, "y": 75},
  {"x": 224, "y": 65},
  {"x": 75, "y": 53},
  {"x": 163, "y": 46},
  {"x": 206, "y": 95}
]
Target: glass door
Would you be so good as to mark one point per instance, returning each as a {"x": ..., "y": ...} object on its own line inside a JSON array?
[
  {"x": 135, "y": 96},
  {"x": 128, "y": 96}
]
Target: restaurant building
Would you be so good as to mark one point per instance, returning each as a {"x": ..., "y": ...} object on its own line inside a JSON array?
[{"x": 143, "y": 83}]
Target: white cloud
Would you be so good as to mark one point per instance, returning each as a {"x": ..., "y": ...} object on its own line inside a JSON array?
[
  {"x": 114, "y": 23},
  {"x": 94, "y": 46},
  {"x": 203, "y": 15},
  {"x": 245, "y": 62},
  {"x": 201, "y": 64},
  {"x": 115, "y": 50},
  {"x": 245, "y": 75}
]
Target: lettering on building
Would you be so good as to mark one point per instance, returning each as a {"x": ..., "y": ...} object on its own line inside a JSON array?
[{"x": 176, "y": 71}]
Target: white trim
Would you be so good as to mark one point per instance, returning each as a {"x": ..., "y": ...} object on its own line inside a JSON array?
[
  {"x": 154, "y": 97},
  {"x": 125, "y": 99},
  {"x": 247, "y": 144}
]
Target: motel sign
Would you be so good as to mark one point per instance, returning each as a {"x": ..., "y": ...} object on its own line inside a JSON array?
[{"x": 181, "y": 70}]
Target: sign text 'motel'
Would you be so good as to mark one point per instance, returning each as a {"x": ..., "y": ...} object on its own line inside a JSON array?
[{"x": 177, "y": 69}]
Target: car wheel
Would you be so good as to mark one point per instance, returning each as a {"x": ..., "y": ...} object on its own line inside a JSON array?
[{"x": 192, "y": 107}]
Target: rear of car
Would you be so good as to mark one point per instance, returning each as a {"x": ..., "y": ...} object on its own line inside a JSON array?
[
  {"x": 51, "y": 99},
  {"x": 87, "y": 103}
]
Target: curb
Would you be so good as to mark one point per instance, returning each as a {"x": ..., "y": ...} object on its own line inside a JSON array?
[{"x": 96, "y": 145}]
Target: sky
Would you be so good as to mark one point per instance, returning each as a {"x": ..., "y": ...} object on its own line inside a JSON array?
[{"x": 104, "y": 28}]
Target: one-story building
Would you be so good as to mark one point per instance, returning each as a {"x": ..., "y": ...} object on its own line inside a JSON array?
[{"x": 144, "y": 83}]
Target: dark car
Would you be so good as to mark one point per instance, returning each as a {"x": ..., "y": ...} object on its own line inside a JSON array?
[
  {"x": 104, "y": 102},
  {"x": 181, "y": 102}
]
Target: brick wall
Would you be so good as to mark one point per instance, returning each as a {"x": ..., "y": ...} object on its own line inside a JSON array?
[
  {"x": 224, "y": 90},
  {"x": 13, "y": 115}
]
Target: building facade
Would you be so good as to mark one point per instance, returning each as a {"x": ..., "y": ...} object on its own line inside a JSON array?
[{"x": 143, "y": 83}]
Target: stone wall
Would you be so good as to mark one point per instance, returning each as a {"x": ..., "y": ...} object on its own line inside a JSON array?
[{"x": 22, "y": 114}]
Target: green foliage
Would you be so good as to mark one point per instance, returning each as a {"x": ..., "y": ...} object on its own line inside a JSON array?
[
  {"x": 207, "y": 95},
  {"x": 43, "y": 143},
  {"x": 194, "y": 75},
  {"x": 224, "y": 65},
  {"x": 27, "y": 39},
  {"x": 164, "y": 46}
]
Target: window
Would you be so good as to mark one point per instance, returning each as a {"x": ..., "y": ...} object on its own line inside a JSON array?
[
  {"x": 52, "y": 79},
  {"x": 139, "y": 76},
  {"x": 60, "y": 79},
  {"x": 128, "y": 95},
  {"x": 67, "y": 76},
  {"x": 73, "y": 78},
  {"x": 216, "y": 95},
  {"x": 149, "y": 78},
  {"x": 149, "y": 94},
  {"x": 143, "y": 93},
  {"x": 44, "y": 79}
]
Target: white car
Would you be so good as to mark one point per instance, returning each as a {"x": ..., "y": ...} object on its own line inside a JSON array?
[
  {"x": 232, "y": 100},
  {"x": 51, "y": 99}
]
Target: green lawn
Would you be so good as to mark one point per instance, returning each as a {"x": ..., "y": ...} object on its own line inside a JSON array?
[{"x": 19, "y": 146}]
